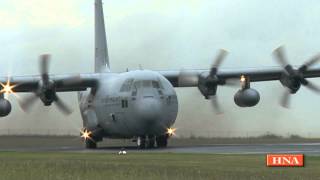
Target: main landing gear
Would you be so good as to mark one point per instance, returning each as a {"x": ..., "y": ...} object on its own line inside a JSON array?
[
  {"x": 90, "y": 144},
  {"x": 91, "y": 137},
  {"x": 162, "y": 141},
  {"x": 150, "y": 141}
]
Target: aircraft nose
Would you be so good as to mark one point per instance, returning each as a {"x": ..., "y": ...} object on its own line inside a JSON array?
[{"x": 148, "y": 109}]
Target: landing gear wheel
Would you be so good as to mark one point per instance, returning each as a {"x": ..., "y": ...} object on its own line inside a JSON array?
[
  {"x": 162, "y": 141},
  {"x": 141, "y": 142},
  {"x": 151, "y": 142},
  {"x": 90, "y": 144}
]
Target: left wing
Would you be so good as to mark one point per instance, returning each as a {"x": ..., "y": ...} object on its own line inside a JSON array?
[
  {"x": 190, "y": 78},
  {"x": 291, "y": 77}
]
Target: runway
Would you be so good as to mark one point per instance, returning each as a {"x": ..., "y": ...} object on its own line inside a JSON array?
[
  {"x": 304, "y": 148},
  {"x": 213, "y": 146}
]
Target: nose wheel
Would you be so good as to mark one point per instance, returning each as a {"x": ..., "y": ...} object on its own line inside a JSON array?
[
  {"x": 150, "y": 141},
  {"x": 146, "y": 141},
  {"x": 141, "y": 142}
]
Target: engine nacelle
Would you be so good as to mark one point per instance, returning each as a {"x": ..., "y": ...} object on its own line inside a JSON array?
[
  {"x": 247, "y": 97},
  {"x": 5, "y": 107}
]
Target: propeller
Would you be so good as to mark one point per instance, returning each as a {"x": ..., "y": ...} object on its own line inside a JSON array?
[
  {"x": 207, "y": 82},
  {"x": 293, "y": 78},
  {"x": 215, "y": 104},
  {"x": 46, "y": 90},
  {"x": 218, "y": 61},
  {"x": 213, "y": 79}
]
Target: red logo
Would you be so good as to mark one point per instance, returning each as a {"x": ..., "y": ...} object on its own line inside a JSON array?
[{"x": 285, "y": 160}]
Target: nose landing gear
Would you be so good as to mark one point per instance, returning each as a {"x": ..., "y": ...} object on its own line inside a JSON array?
[
  {"x": 150, "y": 141},
  {"x": 90, "y": 144},
  {"x": 141, "y": 142}
]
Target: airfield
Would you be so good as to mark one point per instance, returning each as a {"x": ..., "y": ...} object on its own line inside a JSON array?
[
  {"x": 176, "y": 145},
  {"x": 64, "y": 157}
]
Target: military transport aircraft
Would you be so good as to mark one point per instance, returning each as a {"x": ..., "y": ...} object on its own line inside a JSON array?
[{"x": 142, "y": 104}]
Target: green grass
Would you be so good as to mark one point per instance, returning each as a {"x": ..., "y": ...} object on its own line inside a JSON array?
[{"x": 94, "y": 166}]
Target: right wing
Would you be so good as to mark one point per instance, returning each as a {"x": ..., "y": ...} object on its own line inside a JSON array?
[{"x": 45, "y": 87}]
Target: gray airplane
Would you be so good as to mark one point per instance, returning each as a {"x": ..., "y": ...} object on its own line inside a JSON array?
[{"x": 142, "y": 104}]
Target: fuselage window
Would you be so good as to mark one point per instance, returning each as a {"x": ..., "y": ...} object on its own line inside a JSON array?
[
  {"x": 126, "y": 86},
  {"x": 169, "y": 100}
]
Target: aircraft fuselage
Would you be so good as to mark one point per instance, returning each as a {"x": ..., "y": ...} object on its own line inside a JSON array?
[{"x": 130, "y": 104}]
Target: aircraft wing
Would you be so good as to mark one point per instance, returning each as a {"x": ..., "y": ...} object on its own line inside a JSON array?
[
  {"x": 190, "y": 78},
  {"x": 44, "y": 87},
  {"x": 62, "y": 83},
  {"x": 207, "y": 81},
  {"x": 290, "y": 76}
]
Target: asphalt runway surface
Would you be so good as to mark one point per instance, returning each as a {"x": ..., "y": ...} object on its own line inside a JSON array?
[
  {"x": 304, "y": 148},
  {"x": 72, "y": 144}
]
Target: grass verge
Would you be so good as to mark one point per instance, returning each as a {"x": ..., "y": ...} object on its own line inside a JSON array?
[{"x": 49, "y": 166}]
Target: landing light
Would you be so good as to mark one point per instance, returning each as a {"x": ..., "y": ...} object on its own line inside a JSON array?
[
  {"x": 242, "y": 78},
  {"x": 7, "y": 88},
  {"x": 171, "y": 131},
  {"x": 85, "y": 134}
]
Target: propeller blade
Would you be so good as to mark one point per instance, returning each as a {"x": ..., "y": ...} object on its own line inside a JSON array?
[
  {"x": 218, "y": 60},
  {"x": 44, "y": 67},
  {"x": 28, "y": 102},
  {"x": 285, "y": 99},
  {"x": 312, "y": 86},
  {"x": 297, "y": 75},
  {"x": 64, "y": 108},
  {"x": 215, "y": 104},
  {"x": 279, "y": 55},
  {"x": 187, "y": 78},
  {"x": 310, "y": 62}
]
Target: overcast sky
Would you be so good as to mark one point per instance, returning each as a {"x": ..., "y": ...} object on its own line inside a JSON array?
[{"x": 168, "y": 34}]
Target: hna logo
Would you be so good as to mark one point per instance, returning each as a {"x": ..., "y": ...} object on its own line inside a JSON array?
[{"x": 285, "y": 160}]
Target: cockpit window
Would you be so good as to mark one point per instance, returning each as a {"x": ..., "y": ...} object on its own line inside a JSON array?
[
  {"x": 155, "y": 84},
  {"x": 146, "y": 83},
  {"x": 126, "y": 86},
  {"x": 136, "y": 84},
  {"x": 135, "y": 87}
]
